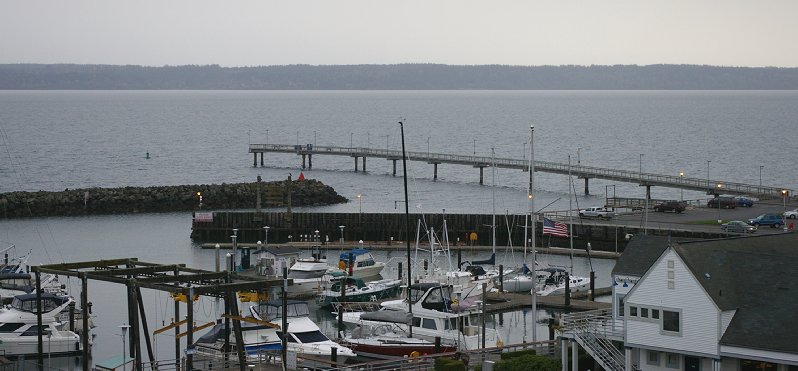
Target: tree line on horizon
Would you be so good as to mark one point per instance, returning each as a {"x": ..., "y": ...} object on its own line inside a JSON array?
[{"x": 395, "y": 77}]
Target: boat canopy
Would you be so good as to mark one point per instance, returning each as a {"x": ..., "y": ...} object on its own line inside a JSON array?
[
  {"x": 27, "y": 302},
  {"x": 393, "y": 316},
  {"x": 274, "y": 309},
  {"x": 355, "y": 253}
]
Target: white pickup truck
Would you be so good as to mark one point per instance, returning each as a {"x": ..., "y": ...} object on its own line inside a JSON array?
[{"x": 596, "y": 212}]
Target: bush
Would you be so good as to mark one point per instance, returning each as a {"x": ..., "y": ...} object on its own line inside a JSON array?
[
  {"x": 528, "y": 362},
  {"x": 519, "y": 353},
  {"x": 448, "y": 364}
]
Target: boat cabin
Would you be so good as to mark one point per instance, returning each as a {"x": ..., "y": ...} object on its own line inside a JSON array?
[
  {"x": 27, "y": 302},
  {"x": 272, "y": 309},
  {"x": 357, "y": 258},
  {"x": 351, "y": 282},
  {"x": 432, "y": 296}
]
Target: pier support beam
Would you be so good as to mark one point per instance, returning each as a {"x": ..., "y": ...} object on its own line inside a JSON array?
[
  {"x": 587, "y": 190},
  {"x": 574, "y": 355},
  {"x": 364, "y": 164},
  {"x": 648, "y": 192},
  {"x": 303, "y": 162},
  {"x": 356, "y": 161},
  {"x": 254, "y": 159},
  {"x": 310, "y": 161},
  {"x": 394, "y": 167},
  {"x": 435, "y": 171},
  {"x": 261, "y": 159},
  {"x": 564, "y": 356},
  {"x": 481, "y": 175}
]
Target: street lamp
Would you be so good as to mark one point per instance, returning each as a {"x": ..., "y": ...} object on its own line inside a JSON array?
[
  {"x": 760, "y": 178},
  {"x": 235, "y": 248},
  {"x": 708, "y": 161},
  {"x": 266, "y": 240},
  {"x": 784, "y": 193},
  {"x": 681, "y": 190},
  {"x": 427, "y": 149},
  {"x": 342, "y": 233},
  {"x": 524, "y": 153},
  {"x": 578, "y": 158},
  {"x": 360, "y": 203},
  {"x": 475, "y": 147},
  {"x": 124, "y": 328},
  {"x": 641, "y": 168},
  {"x": 719, "y": 187},
  {"x": 386, "y": 142}
]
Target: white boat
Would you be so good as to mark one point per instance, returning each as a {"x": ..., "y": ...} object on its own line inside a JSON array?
[
  {"x": 15, "y": 280},
  {"x": 555, "y": 283},
  {"x": 359, "y": 263},
  {"x": 434, "y": 315},
  {"x": 307, "y": 275},
  {"x": 305, "y": 336},
  {"x": 356, "y": 290},
  {"x": 18, "y": 326}
]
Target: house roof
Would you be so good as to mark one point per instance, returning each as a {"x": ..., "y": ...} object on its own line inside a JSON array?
[
  {"x": 757, "y": 276},
  {"x": 641, "y": 253}
]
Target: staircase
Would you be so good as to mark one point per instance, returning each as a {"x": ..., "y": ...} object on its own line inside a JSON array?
[{"x": 594, "y": 331}]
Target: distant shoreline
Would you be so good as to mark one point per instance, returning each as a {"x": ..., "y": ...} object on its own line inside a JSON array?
[{"x": 395, "y": 77}]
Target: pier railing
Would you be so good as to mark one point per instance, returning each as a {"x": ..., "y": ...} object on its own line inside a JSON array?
[{"x": 710, "y": 186}]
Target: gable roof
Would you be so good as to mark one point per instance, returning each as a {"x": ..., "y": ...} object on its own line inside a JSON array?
[
  {"x": 641, "y": 253},
  {"x": 757, "y": 276}
]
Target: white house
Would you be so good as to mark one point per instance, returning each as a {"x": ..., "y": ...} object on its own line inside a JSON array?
[{"x": 708, "y": 305}]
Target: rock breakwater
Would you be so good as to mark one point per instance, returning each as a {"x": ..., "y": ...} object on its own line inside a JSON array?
[{"x": 97, "y": 201}]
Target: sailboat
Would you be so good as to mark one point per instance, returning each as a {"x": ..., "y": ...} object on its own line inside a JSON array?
[{"x": 558, "y": 278}]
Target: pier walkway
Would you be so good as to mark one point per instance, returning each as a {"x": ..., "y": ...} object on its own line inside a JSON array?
[{"x": 710, "y": 186}]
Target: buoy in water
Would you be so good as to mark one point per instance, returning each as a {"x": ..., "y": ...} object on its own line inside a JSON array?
[{"x": 148, "y": 156}]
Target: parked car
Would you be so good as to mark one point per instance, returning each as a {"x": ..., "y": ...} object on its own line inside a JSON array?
[
  {"x": 744, "y": 201},
  {"x": 675, "y": 206},
  {"x": 596, "y": 212},
  {"x": 722, "y": 202},
  {"x": 773, "y": 220},
  {"x": 737, "y": 226},
  {"x": 791, "y": 214}
]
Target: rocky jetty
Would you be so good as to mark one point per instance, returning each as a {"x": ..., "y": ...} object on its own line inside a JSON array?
[{"x": 97, "y": 201}]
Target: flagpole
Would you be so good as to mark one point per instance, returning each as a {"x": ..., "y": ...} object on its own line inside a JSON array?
[{"x": 531, "y": 197}]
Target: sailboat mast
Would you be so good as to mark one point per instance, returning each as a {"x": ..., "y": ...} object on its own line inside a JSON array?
[
  {"x": 493, "y": 177},
  {"x": 531, "y": 197},
  {"x": 570, "y": 216}
]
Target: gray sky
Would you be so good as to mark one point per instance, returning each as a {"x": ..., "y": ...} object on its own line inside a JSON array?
[{"x": 265, "y": 32}]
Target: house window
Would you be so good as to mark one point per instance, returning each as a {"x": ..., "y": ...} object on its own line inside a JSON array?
[
  {"x": 670, "y": 321},
  {"x": 749, "y": 365},
  {"x": 655, "y": 313},
  {"x": 671, "y": 275},
  {"x": 671, "y": 285},
  {"x": 670, "y": 264},
  {"x": 632, "y": 311},
  {"x": 653, "y": 358},
  {"x": 671, "y": 360},
  {"x": 644, "y": 312}
]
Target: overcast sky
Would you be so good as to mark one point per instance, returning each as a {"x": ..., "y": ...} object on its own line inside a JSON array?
[{"x": 265, "y": 32}]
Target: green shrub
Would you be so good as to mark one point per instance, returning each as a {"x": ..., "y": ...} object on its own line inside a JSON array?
[
  {"x": 518, "y": 353},
  {"x": 448, "y": 364},
  {"x": 528, "y": 362}
]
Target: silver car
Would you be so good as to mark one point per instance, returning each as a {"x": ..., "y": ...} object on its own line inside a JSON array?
[{"x": 737, "y": 226}]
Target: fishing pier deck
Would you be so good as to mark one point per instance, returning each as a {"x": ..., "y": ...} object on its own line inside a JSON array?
[
  {"x": 502, "y": 302},
  {"x": 710, "y": 186}
]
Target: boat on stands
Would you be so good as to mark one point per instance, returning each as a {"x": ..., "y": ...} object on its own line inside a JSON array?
[
  {"x": 19, "y": 329},
  {"x": 360, "y": 263},
  {"x": 356, "y": 290},
  {"x": 387, "y": 340},
  {"x": 434, "y": 316}
]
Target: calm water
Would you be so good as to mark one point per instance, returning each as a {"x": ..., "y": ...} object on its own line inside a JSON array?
[{"x": 73, "y": 139}]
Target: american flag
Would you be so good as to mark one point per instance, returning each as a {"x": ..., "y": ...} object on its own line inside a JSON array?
[{"x": 554, "y": 228}]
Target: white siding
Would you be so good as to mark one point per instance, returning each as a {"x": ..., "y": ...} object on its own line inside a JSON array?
[
  {"x": 699, "y": 317},
  {"x": 725, "y": 319}
]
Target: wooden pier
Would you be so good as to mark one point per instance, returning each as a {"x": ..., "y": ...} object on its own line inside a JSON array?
[
  {"x": 710, "y": 186},
  {"x": 502, "y": 302}
]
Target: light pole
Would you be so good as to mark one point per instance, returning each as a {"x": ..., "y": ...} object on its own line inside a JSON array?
[
  {"x": 368, "y": 139},
  {"x": 124, "y": 328},
  {"x": 342, "y": 233},
  {"x": 386, "y": 142},
  {"x": 297, "y": 137},
  {"x": 681, "y": 190},
  {"x": 314, "y": 138},
  {"x": 784, "y": 215},
  {"x": 428, "y": 147},
  {"x": 708, "y": 161},
  {"x": 266, "y": 240},
  {"x": 267, "y": 136},
  {"x": 235, "y": 248},
  {"x": 524, "y": 153},
  {"x": 760, "y": 178},
  {"x": 578, "y": 157},
  {"x": 351, "y": 135},
  {"x": 719, "y": 219},
  {"x": 359, "y": 206},
  {"x": 475, "y": 147},
  {"x": 641, "y": 168}
]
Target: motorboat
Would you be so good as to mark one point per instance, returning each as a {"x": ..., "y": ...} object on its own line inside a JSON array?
[
  {"x": 360, "y": 263},
  {"x": 435, "y": 314},
  {"x": 19, "y": 330},
  {"x": 357, "y": 291},
  {"x": 386, "y": 340},
  {"x": 525, "y": 280},
  {"x": 554, "y": 284},
  {"x": 305, "y": 337},
  {"x": 307, "y": 275}
]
